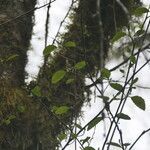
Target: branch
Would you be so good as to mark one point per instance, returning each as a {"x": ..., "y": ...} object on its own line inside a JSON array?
[
  {"x": 144, "y": 132},
  {"x": 26, "y": 13},
  {"x": 119, "y": 65},
  {"x": 73, "y": 1},
  {"x": 47, "y": 22}
]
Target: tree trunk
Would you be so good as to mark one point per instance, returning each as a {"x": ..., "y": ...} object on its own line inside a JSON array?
[
  {"x": 14, "y": 39},
  {"x": 15, "y": 125}
]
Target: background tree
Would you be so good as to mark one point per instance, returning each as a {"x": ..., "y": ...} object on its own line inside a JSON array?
[{"x": 36, "y": 120}]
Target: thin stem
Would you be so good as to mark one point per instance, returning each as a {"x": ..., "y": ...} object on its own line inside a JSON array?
[{"x": 139, "y": 137}]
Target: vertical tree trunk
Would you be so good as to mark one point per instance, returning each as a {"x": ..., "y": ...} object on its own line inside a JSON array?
[
  {"x": 14, "y": 41},
  {"x": 14, "y": 38}
]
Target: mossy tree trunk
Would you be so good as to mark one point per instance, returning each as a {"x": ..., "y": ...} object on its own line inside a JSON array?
[
  {"x": 15, "y": 127},
  {"x": 14, "y": 38}
]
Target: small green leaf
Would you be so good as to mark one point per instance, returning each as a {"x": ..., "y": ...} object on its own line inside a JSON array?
[
  {"x": 118, "y": 36},
  {"x": 80, "y": 65},
  {"x": 57, "y": 76},
  {"x": 114, "y": 144},
  {"x": 7, "y": 121},
  {"x": 11, "y": 117},
  {"x": 69, "y": 81},
  {"x": 85, "y": 140},
  {"x": 133, "y": 59},
  {"x": 61, "y": 110},
  {"x": 140, "y": 11},
  {"x": 36, "y": 91},
  {"x": 139, "y": 102},
  {"x": 89, "y": 148},
  {"x": 74, "y": 136},
  {"x": 62, "y": 136},
  {"x": 105, "y": 98},
  {"x": 135, "y": 81},
  {"x": 21, "y": 109},
  {"x": 105, "y": 73},
  {"x": 70, "y": 44},
  {"x": 12, "y": 57},
  {"x": 116, "y": 86},
  {"x": 123, "y": 116},
  {"x": 94, "y": 123},
  {"x": 122, "y": 71},
  {"x": 126, "y": 144},
  {"x": 78, "y": 126},
  {"x": 49, "y": 49}
]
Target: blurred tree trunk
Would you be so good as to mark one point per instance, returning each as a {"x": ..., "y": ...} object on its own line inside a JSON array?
[
  {"x": 25, "y": 124},
  {"x": 14, "y": 42},
  {"x": 14, "y": 39}
]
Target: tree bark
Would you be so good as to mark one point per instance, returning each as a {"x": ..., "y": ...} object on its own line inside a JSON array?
[
  {"x": 15, "y": 125},
  {"x": 14, "y": 38}
]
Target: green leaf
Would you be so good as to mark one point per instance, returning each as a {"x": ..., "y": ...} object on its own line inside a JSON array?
[
  {"x": 49, "y": 49},
  {"x": 36, "y": 91},
  {"x": 139, "y": 102},
  {"x": 80, "y": 65},
  {"x": 78, "y": 126},
  {"x": 116, "y": 86},
  {"x": 135, "y": 81},
  {"x": 123, "y": 116},
  {"x": 85, "y": 140},
  {"x": 118, "y": 36},
  {"x": 122, "y": 71},
  {"x": 70, "y": 44},
  {"x": 7, "y": 121},
  {"x": 21, "y": 109},
  {"x": 105, "y": 73},
  {"x": 105, "y": 98},
  {"x": 89, "y": 148},
  {"x": 69, "y": 81},
  {"x": 133, "y": 59},
  {"x": 12, "y": 57},
  {"x": 62, "y": 136},
  {"x": 61, "y": 110},
  {"x": 140, "y": 11},
  {"x": 114, "y": 144},
  {"x": 94, "y": 123},
  {"x": 126, "y": 144},
  {"x": 57, "y": 76},
  {"x": 11, "y": 117},
  {"x": 74, "y": 136}
]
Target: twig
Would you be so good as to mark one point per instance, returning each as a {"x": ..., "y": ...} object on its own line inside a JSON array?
[
  {"x": 119, "y": 65},
  {"x": 47, "y": 22},
  {"x": 26, "y": 13},
  {"x": 100, "y": 112},
  {"x": 70, "y": 8},
  {"x": 139, "y": 137}
]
